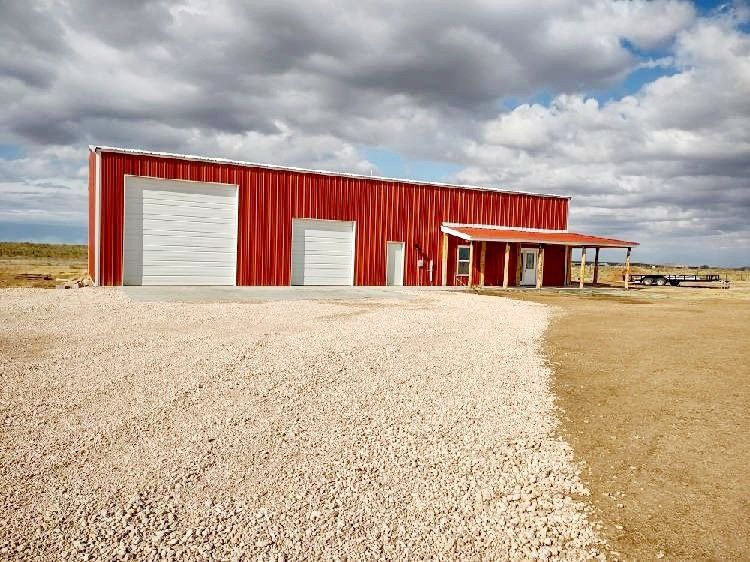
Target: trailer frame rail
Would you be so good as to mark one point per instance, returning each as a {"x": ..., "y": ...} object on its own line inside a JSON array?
[{"x": 673, "y": 279}]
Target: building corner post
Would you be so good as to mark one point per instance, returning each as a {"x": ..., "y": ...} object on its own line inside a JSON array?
[
  {"x": 482, "y": 256},
  {"x": 596, "y": 266},
  {"x": 470, "y": 278},
  {"x": 627, "y": 270},
  {"x": 444, "y": 261},
  {"x": 505, "y": 265},
  {"x": 582, "y": 272},
  {"x": 97, "y": 216},
  {"x": 540, "y": 267}
]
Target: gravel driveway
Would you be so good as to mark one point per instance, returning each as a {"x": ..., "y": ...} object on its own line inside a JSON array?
[{"x": 280, "y": 430}]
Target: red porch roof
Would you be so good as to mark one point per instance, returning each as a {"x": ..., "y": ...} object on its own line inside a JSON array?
[{"x": 490, "y": 233}]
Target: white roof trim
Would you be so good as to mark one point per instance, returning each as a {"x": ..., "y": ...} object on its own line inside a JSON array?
[
  {"x": 496, "y": 227},
  {"x": 547, "y": 243},
  {"x": 456, "y": 233},
  {"x": 97, "y": 148}
]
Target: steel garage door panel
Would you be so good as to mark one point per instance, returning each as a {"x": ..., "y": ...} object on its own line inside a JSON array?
[
  {"x": 322, "y": 252},
  {"x": 179, "y": 232}
]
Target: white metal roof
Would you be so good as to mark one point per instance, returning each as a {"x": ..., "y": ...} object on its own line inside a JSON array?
[{"x": 311, "y": 171}]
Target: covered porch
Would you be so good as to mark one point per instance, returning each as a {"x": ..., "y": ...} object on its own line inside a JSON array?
[{"x": 494, "y": 256}]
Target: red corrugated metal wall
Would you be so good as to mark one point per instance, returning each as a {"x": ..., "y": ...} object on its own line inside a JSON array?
[
  {"x": 493, "y": 264},
  {"x": 269, "y": 199},
  {"x": 554, "y": 266},
  {"x": 554, "y": 263}
]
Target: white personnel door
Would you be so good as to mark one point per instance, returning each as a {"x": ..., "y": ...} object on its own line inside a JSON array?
[
  {"x": 394, "y": 264},
  {"x": 179, "y": 232},
  {"x": 322, "y": 252},
  {"x": 528, "y": 266}
]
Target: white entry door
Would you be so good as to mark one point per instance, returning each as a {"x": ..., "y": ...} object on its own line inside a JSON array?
[
  {"x": 322, "y": 252},
  {"x": 528, "y": 266},
  {"x": 179, "y": 232},
  {"x": 394, "y": 268}
]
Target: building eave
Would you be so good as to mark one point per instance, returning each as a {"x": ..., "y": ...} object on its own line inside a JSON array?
[{"x": 493, "y": 233}]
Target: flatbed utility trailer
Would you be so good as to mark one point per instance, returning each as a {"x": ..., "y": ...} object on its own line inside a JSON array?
[{"x": 662, "y": 279}]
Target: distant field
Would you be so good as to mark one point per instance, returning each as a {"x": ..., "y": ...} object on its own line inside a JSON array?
[
  {"x": 33, "y": 250},
  {"x": 22, "y": 262},
  {"x": 613, "y": 273}
]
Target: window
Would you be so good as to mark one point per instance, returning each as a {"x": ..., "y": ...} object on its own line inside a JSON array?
[
  {"x": 530, "y": 260},
  {"x": 463, "y": 261}
]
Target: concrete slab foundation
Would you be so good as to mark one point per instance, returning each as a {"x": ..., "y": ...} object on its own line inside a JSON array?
[{"x": 257, "y": 294}]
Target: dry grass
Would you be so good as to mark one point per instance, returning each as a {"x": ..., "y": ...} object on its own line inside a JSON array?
[
  {"x": 21, "y": 262},
  {"x": 73, "y": 252}
]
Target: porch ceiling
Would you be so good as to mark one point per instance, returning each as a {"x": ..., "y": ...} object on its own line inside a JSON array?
[{"x": 489, "y": 233}]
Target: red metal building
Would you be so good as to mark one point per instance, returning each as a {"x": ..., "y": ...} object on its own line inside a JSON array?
[{"x": 157, "y": 218}]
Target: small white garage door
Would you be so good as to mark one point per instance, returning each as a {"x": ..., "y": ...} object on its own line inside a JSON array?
[
  {"x": 322, "y": 252},
  {"x": 179, "y": 232}
]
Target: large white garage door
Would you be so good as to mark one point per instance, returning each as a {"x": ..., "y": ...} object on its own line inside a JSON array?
[
  {"x": 322, "y": 252},
  {"x": 179, "y": 232}
]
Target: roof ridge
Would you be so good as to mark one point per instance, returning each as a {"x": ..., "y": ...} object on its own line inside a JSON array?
[{"x": 94, "y": 148}]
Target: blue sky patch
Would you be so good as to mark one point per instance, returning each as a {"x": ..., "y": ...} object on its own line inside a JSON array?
[
  {"x": 394, "y": 165},
  {"x": 632, "y": 83},
  {"x": 11, "y": 151}
]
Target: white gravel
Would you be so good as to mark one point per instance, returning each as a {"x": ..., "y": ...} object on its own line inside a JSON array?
[{"x": 281, "y": 430}]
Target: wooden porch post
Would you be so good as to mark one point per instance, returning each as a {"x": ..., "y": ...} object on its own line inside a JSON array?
[
  {"x": 596, "y": 266},
  {"x": 518, "y": 265},
  {"x": 582, "y": 273},
  {"x": 444, "y": 259},
  {"x": 471, "y": 264},
  {"x": 569, "y": 265},
  {"x": 482, "y": 256},
  {"x": 505, "y": 265},
  {"x": 627, "y": 269},
  {"x": 540, "y": 267}
]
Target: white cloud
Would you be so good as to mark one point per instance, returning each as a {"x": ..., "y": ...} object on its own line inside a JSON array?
[{"x": 669, "y": 161}]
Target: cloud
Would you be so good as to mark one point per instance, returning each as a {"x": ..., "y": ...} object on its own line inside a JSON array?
[
  {"x": 671, "y": 161},
  {"x": 45, "y": 187},
  {"x": 312, "y": 83},
  {"x": 237, "y": 67}
]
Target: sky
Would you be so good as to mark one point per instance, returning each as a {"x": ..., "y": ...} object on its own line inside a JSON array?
[{"x": 638, "y": 110}]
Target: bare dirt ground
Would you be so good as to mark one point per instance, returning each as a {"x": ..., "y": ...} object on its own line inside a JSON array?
[
  {"x": 367, "y": 429},
  {"x": 654, "y": 388}
]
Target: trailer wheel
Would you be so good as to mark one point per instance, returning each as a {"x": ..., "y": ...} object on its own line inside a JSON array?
[
  {"x": 674, "y": 283},
  {"x": 648, "y": 281},
  {"x": 661, "y": 281}
]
